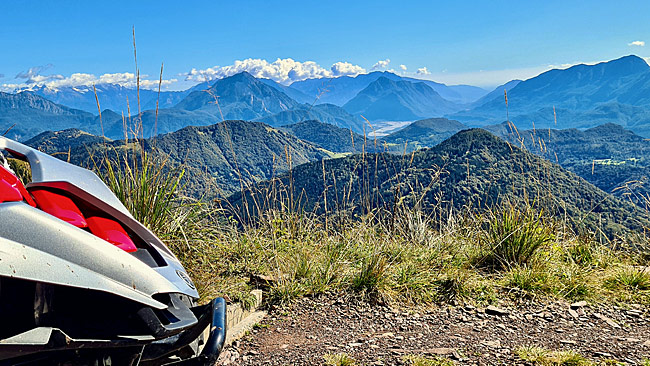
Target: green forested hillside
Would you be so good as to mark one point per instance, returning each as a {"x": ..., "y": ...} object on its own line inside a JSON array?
[
  {"x": 218, "y": 159},
  {"x": 614, "y": 159},
  {"x": 424, "y": 133},
  {"x": 473, "y": 169},
  {"x": 328, "y": 136}
]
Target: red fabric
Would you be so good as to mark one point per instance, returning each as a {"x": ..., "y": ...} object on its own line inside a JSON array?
[{"x": 112, "y": 232}]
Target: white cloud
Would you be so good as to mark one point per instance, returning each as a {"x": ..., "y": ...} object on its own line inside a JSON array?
[
  {"x": 33, "y": 78},
  {"x": 403, "y": 67},
  {"x": 637, "y": 43},
  {"x": 346, "y": 69},
  {"x": 283, "y": 71},
  {"x": 381, "y": 64},
  {"x": 423, "y": 71}
]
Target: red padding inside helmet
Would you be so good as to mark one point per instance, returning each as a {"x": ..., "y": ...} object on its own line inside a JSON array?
[
  {"x": 12, "y": 185},
  {"x": 59, "y": 206},
  {"x": 112, "y": 232},
  {"x": 9, "y": 193}
]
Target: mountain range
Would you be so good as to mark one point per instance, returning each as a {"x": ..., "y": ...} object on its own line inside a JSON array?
[
  {"x": 342, "y": 89},
  {"x": 390, "y": 100},
  {"x": 581, "y": 96},
  {"x": 25, "y": 114},
  {"x": 110, "y": 96},
  {"x": 240, "y": 96}
]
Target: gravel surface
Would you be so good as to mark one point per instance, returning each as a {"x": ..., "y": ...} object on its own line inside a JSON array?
[{"x": 378, "y": 335}]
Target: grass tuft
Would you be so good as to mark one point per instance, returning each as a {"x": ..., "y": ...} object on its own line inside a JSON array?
[
  {"x": 339, "y": 359},
  {"x": 630, "y": 278},
  {"x": 371, "y": 277},
  {"x": 544, "y": 357},
  {"x": 514, "y": 236},
  {"x": 415, "y": 360}
]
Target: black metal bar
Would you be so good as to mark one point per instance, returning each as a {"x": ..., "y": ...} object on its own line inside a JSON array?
[{"x": 216, "y": 339}]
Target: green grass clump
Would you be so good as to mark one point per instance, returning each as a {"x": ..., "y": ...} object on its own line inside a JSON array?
[
  {"x": 339, "y": 359},
  {"x": 415, "y": 360},
  {"x": 22, "y": 170},
  {"x": 148, "y": 188},
  {"x": 371, "y": 277},
  {"x": 630, "y": 278},
  {"x": 514, "y": 236},
  {"x": 582, "y": 253},
  {"x": 544, "y": 357},
  {"x": 528, "y": 279}
]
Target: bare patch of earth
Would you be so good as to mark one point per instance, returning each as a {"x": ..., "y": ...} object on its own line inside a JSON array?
[{"x": 379, "y": 335}]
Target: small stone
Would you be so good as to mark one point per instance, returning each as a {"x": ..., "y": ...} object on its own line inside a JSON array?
[
  {"x": 574, "y": 313},
  {"x": 262, "y": 281},
  {"x": 603, "y": 354},
  {"x": 607, "y": 320},
  {"x": 441, "y": 351},
  {"x": 566, "y": 341},
  {"x": 634, "y": 313},
  {"x": 399, "y": 338},
  {"x": 578, "y": 305},
  {"x": 355, "y": 344},
  {"x": 493, "y": 310},
  {"x": 492, "y": 344}
]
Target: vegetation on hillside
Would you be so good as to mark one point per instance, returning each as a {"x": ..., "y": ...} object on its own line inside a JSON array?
[
  {"x": 610, "y": 157},
  {"x": 402, "y": 254},
  {"x": 328, "y": 136},
  {"x": 219, "y": 159},
  {"x": 475, "y": 219},
  {"x": 473, "y": 170},
  {"x": 424, "y": 133}
]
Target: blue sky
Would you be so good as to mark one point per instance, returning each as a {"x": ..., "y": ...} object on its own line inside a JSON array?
[{"x": 483, "y": 43}]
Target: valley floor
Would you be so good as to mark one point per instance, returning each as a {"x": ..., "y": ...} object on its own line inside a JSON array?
[{"x": 333, "y": 330}]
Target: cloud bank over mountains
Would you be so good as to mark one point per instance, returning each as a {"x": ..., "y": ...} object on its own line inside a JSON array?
[
  {"x": 34, "y": 76},
  {"x": 284, "y": 71}
]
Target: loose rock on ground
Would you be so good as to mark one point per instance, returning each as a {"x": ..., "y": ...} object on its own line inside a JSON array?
[{"x": 380, "y": 335}]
